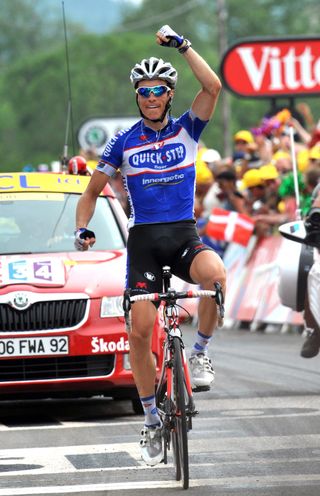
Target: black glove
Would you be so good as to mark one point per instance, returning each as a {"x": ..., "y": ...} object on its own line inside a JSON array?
[
  {"x": 80, "y": 235},
  {"x": 175, "y": 39}
]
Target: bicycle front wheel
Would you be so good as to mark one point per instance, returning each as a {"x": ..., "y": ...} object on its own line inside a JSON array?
[{"x": 179, "y": 432}]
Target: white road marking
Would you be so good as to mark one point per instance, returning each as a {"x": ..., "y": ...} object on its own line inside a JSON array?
[
  {"x": 234, "y": 482},
  {"x": 54, "y": 460},
  {"x": 70, "y": 425}
]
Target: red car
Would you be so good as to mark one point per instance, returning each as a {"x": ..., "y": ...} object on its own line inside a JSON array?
[{"x": 62, "y": 330}]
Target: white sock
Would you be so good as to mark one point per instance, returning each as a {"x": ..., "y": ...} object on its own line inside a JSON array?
[
  {"x": 152, "y": 418},
  {"x": 201, "y": 345}
]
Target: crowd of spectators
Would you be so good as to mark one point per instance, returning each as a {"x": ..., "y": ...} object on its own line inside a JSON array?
[{"x": 258, "y": 180}]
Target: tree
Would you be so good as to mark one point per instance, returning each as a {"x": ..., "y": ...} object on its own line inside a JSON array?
[{"x": 36, "y": 92}]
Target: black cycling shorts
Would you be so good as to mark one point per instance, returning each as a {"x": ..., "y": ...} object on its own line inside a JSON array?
[{"x": 151, "y": 246}]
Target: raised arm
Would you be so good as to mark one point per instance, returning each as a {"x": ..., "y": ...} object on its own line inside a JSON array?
[{"x": 205, "y": 101}]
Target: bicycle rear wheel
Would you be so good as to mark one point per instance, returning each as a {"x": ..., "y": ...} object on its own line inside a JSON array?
[{"x": 179, "y": 433}]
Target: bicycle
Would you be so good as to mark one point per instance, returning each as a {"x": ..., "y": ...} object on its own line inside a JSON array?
[{"x": 174, "y": 393}]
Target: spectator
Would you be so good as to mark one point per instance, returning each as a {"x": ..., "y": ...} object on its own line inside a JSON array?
[
  {"x": 256, "y": 201},
  {"x": 77, "y": 165},
  {"x": 254, "y": 186},
  {"x": 271, "y": 179},
  {"x": 288, "y": 194},
  {"x": 211, "y": 157},
  {"x": 43, "y": 168},
  {"x": 282, "y": 160},
  {"x": 314, "y": 155},
  {"x": 264, "y": 147},
  {"x": 305, "y": 111},
  {"x": 224, "y": 192},
  {"x": 204, "y": 177},
  {"x": 28, "y": 168}
]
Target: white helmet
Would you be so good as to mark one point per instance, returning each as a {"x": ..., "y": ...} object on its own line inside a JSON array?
[{"x": 154, "y": 68}]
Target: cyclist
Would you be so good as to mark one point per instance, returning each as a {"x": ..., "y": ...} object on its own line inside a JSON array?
[{"x": 156, "y": 158}]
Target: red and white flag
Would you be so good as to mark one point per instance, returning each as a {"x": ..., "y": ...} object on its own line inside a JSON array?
[{"x": 230, "y": 226}]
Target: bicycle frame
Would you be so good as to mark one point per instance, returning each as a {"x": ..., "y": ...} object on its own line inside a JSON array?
[{"x": 173, "y": 331}]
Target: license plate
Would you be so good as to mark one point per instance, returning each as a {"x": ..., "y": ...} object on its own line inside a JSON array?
[{"x": 34, "y": 346}]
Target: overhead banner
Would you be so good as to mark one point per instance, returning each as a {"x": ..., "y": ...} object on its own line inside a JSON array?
[{"x": 259, "y": 68}]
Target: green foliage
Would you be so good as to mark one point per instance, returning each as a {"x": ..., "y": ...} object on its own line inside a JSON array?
[
  {"x": 24, "y": 29},
  {"x": 271, "y": 18}
]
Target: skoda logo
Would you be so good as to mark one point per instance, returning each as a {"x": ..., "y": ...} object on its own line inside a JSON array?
[
  {"x": 149, "y": 276},
  {"x": 20, "y": 301}
]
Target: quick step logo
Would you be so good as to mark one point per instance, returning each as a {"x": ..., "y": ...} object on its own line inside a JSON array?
[{"x": 269, "y": 68}]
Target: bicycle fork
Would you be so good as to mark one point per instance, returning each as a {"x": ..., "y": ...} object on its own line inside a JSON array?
[{"x": 190, "y": 407}]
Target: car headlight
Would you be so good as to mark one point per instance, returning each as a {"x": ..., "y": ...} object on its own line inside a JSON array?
[
  {"x": 111, "y": 306},
  {"x": 126, "y": 361}
]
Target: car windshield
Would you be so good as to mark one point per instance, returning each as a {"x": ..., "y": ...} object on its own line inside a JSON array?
[{"x": 44, "y": 223}]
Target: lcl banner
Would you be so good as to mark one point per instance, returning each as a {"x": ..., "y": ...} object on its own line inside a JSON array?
[{"x": 270, "y": 68}]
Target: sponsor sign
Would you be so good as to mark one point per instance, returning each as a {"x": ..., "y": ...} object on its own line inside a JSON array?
[
  {"x": 34, "y": 182},
  {"x": 168, "y": 156},
  {"x": 254, "y": 296},
  {"x": 271, "y": 68},
  {"x": 42, "y": 272},
  {"x": 96, "y": 132},
  {"x": 99, "y": 345}
]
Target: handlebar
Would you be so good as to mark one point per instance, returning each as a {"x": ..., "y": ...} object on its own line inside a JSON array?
[{"x": 173, "y": 295}]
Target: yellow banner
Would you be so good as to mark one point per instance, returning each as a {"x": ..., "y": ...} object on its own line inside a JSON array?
[{"x": 39, "y": 182}]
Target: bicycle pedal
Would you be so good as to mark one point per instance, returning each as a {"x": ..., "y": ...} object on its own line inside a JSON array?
[{"x": 200, "y": 389}]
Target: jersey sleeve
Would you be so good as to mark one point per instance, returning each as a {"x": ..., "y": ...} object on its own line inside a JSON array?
[
  {"x": 192, "y": 124},
  {"x": 111, "y": 159}
]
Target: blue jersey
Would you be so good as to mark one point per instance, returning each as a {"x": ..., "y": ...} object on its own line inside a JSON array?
[{"x": 158, "y": 168}]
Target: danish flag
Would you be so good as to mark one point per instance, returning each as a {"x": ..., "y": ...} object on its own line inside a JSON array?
[{"x": 230, "y": 226}]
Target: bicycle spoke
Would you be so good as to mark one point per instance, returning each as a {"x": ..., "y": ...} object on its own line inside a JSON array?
[{"x": 181, "y": 422}]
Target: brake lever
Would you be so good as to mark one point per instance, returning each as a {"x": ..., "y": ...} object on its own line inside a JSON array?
[{"x": 219, "y": 298}]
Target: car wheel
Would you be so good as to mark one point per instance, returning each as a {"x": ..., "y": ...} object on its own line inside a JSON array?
[{"x": 137, "y": 407}]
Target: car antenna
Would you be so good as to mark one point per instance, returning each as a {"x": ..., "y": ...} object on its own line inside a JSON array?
[{"x": 64, "y": 160}]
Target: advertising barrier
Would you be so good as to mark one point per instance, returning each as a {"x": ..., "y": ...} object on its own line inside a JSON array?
[
  {"x": 252, "y": 284},
  {"x": 274, "y": 67}
]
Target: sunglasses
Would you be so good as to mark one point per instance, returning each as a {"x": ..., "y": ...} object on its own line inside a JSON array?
[{"x": 158, "y": 90}]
